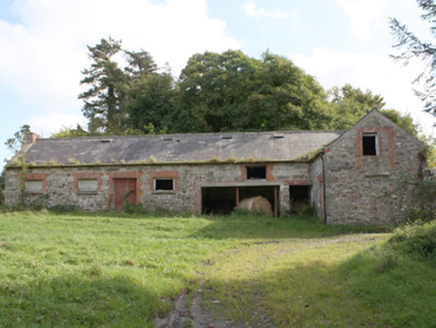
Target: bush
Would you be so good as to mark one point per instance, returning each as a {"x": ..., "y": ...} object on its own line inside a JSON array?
[{"x": 416, "y": 240}]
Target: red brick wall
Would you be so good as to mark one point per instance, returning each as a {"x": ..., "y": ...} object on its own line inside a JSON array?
[
  {"x": 37, "y": 177},
  {"x": 164, "y": 175}
]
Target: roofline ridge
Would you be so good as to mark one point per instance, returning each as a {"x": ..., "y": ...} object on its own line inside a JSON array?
[{"x": 193, "y": 134}]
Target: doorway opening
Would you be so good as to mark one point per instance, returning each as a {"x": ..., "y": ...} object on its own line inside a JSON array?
[
  {"x": 299, "y": 198},
  {"x": 223, "y": 200}
]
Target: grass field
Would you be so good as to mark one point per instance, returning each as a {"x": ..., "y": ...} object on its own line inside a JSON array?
[{"x": 124, "y": 270}]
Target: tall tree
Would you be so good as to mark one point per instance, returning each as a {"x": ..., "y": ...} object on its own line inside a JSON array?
[
  {"x": 140, "y": 65},
  {"x": 212, "y": 91},
  {"x": 149, "y": 104},
  {"x": 15, "y": 143},
  {"x": 234, "y": 92},
  {"x": 350, "y": 104},
  {"x": 108, "y": 84},
  {"x": 285, "y": 97},
  {"x": 412, "y": 46}
]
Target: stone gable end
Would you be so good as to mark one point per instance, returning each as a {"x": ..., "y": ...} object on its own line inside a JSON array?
[{"x": 360, "y": 166}]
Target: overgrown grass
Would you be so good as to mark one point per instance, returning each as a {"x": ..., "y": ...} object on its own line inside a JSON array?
[
  {"x": 113, "y": 269},
  {"x": 397, "y": 278}
]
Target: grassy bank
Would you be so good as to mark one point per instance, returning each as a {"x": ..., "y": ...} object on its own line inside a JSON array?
[{"x": 107, "y": 270}]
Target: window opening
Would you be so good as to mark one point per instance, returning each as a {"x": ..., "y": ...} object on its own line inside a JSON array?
[
  {"x": 33, "y": 186},
  {"x": 88, "y": 185},
  {"x": 369, "y": 145},
  {"x": 164, "y": 184},
  {"x": 256, "y": 172}
]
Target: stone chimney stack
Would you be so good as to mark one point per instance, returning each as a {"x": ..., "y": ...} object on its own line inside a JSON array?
[{"x": 31, "y": 137}]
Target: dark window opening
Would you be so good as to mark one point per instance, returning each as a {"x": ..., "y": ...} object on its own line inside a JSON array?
[
  {"x": 299, "y": 198},
  {"x": 164, "y": 184},
  {"x": 256, "y": 172},
  {"x": 369, "y": 145}
]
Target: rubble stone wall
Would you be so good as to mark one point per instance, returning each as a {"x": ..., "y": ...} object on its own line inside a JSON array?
[
  {"x": 316, "y": 175},
  {"x": 60, "y": 184},
  {"x": 360, "y": 189}
]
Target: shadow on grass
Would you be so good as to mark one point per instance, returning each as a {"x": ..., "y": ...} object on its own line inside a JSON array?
[
  {"x": 322, "y": 295},
  {"x": 74, "y": 301},
  {"x": 307, "y": 295},
  {"x": 363, "y": 290}
]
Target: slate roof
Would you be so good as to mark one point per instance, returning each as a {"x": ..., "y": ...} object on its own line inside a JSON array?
[{"x": 201, "y": 147}]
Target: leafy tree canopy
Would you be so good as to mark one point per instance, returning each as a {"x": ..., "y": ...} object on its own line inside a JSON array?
[
  {"x": 350, "y": 104},
  {"x": 69, "y": 132},
  {"x": 234, "y": 92},
  {"x": 109, "y": 85},
  {"x": 19, "y": 139},
  {"x": 215, "y": 93}
]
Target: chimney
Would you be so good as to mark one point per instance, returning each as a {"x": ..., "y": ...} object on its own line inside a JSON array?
[{"x": 31, "y": 137}]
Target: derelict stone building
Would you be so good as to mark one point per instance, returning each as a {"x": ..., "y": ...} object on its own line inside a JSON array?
[{"x": 338, "y": 173}]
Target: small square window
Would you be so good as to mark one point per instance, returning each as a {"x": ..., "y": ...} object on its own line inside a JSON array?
[
  {"x": 164, "y": 184},
  {"x": 369, "y": 143},
  {"x": 256, "y": 172},
  {"x": 33, "y": 187},
  {"x": 88, "y": 186}
]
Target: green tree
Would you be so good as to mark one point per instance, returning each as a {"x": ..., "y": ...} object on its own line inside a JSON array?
[
  {"x": 234, "y": 92},
  {"x": 403, "y": 121},
  {"x": 149, "y": 104},
  {"x": 412, "y": 46},
  {"x": 69, "y": 132},
  {"x": 212, "y": 91},
  {"x": 108, "y": 84},
  {"x": 350, "y": 104},
  {"x": 140, "y": 65},
  {"x": 119, "y": 97},
  {"x": 285, "y": 97},
  {"x": 15, "y": 143}
]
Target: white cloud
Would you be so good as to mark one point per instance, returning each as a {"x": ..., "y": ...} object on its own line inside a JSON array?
[
  {"x": 252, "y": 10},
  {"x": 363, "y": 13},
  {"x": 43, "y": 56},
  {"x": 368, "y": 71}
]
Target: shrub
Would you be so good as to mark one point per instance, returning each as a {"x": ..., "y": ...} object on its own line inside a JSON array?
[{"x": 416, "y": 240}]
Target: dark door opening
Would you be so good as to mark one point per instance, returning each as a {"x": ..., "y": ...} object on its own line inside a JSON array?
[{"x": 299, "y": 198}]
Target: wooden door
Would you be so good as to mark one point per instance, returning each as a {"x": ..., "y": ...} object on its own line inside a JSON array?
[{"x": 124, "y": 187}]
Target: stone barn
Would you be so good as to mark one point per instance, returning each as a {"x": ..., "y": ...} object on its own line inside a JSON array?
[{"x": 338, "y": 173}]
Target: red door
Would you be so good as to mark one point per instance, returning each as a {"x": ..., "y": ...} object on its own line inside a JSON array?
[{"x": 123, "y": 188}]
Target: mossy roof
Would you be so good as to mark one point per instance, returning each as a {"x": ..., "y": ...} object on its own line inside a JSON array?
[{"x": 201, "y": 147}]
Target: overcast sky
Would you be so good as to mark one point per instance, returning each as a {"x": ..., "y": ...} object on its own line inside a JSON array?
[{"x": 43, "y": 47}]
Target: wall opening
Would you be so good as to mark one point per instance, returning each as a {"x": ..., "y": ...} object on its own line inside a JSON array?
[
  {"x": 256, "y": 172},
  {"x": 222, "y": 200},
  {"x": 164, "y": 184},
  {"x": 299, "y": 198},
  {"x": 369, "y": 143}
]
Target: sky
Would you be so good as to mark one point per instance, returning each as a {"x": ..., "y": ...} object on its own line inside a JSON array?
[{"x": 43, "y": 47}]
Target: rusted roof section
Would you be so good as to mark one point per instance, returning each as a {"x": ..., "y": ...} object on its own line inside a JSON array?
[{"x": 201, "y": 147}]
